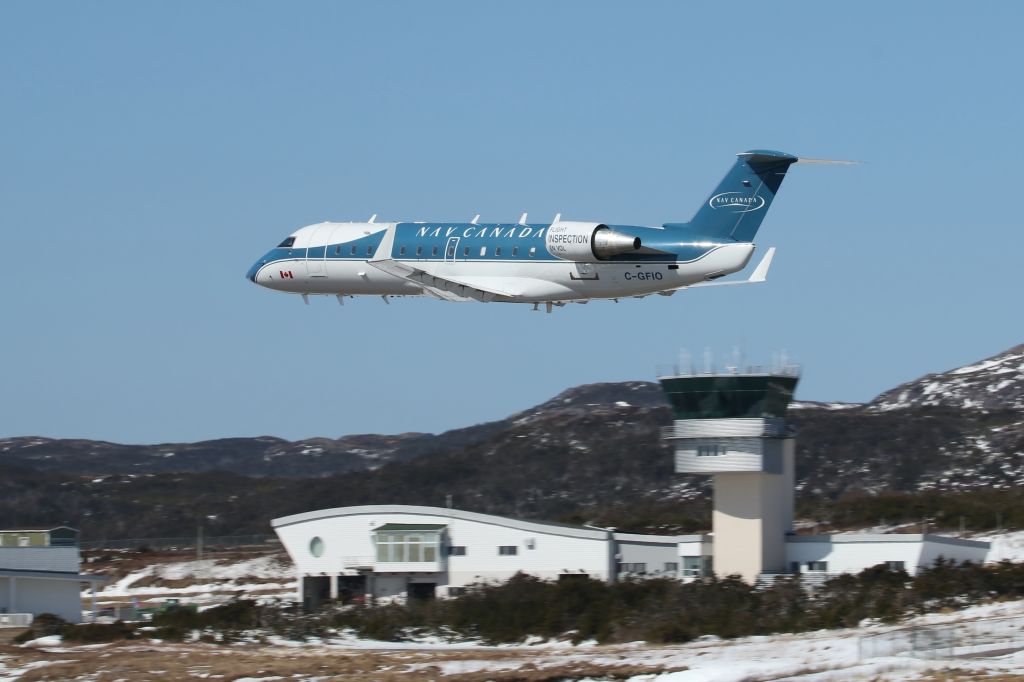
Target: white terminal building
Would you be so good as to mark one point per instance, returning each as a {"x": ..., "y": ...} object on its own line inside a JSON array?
[{"x": 729, "y": 425}]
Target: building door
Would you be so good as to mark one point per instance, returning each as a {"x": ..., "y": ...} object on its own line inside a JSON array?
[{"x": 422, "y": 591}]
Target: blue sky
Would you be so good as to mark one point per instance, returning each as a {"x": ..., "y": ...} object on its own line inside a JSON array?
[{"x": 149, "y": 152}]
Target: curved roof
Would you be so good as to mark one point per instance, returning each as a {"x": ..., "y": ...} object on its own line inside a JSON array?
[{"x": 520, "y": 524}]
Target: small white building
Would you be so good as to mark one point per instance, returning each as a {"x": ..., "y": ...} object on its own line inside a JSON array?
[
  {"x": 386, "y": 551},
  {"x": 399, "y": 550},
  {"x": 39, "y": 573},
  {"x": 853, "y": 552}
]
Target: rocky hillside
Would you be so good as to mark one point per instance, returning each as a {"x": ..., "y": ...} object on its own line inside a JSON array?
[
  {"x": 590, "y": 454},
  {"x": 996, "y": 383}
]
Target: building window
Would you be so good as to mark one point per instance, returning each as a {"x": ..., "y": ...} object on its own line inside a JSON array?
[
  {"x": 710, "y": 450},
  {"x": 637, "y": 568},
  {"x": 896, "y": 565},
  {"x": 821, "y": 566},
  {"x": 316, "y": 547},
  {"x": 508, "y": 550},
  {"x": 531, "y": 543},
  {"x": 407, "y": 547},
  {"x": 671, "y": 567},
  {"x": 456, "y": 591},
  {"x": 457, "y": 550},
  {"x": 692, "y": 566}
]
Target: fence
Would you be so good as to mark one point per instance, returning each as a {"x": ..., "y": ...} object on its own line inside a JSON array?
[
  {"x": 966, "y": 639},
  {"x": 210, "y": 542}
]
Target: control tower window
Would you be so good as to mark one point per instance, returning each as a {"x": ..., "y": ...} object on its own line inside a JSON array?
[{"x": 286, "y": 243}]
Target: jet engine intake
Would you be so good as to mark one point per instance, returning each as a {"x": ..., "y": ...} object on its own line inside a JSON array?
[{"x": 587, "y": 241}]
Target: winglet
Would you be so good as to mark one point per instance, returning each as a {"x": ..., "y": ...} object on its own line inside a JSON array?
[{"x": 760, "y": 273}]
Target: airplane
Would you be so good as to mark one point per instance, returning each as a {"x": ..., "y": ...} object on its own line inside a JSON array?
[{"x": 537, "y": 263}]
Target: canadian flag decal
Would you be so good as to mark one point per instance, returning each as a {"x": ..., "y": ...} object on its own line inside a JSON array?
[{"x": 287, "y": 274}]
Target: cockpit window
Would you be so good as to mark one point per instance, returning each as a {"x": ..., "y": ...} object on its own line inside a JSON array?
[{"x": 286, "y": 243}]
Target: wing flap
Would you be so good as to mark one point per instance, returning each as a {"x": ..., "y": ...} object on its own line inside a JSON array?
[{"x": 445, "y": 288}]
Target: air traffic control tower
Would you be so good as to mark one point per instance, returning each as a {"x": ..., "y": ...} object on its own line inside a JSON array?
[{"x": 732, "y": 426}]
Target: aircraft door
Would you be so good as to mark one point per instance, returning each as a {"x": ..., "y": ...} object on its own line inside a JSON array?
[
  {"x": 451, "y": 250},
  {"x": 317, "y": 255}
]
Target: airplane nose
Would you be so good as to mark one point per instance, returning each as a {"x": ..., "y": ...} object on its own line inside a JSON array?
[{"x": 251, "y": 275}]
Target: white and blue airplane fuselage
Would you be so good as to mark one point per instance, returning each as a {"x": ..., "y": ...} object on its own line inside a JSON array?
[{"x": 551, "y": 263}]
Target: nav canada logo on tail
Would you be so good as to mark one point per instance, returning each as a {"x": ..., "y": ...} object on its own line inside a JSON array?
[{"x": 736, "y": 201}]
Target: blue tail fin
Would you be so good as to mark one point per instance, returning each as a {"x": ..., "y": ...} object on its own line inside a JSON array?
[{"x": 738, "y": 205}]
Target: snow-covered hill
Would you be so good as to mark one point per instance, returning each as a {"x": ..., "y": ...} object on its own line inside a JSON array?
[{"x": 996, "y": 383}]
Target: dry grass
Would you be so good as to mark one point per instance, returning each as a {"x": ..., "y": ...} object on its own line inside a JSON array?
[
  {"x": 163, "y": 662},
  {"x": 961, "y": 675}
]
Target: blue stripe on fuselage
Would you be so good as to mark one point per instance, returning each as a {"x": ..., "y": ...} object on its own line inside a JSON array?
[
  {"x": 432, "y": 239},
  {"x": 429, "y": 241}
]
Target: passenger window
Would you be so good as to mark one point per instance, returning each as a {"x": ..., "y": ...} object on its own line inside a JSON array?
[
  {"x": 433, "y": 251},
  {"x": 352, "y": 251},
  {"x": 419, "y": 250},
  {"x": 483, "y": 250},
  {"x": 401, "y": 251},
  {"x": 515, "y": 251},
  {"x": 533, "y": 251},
  {"x": 465, "y": 251},
  {"x": 497, "y": 250},
  {"x": 369, "y": 250},
  {"x": 337, "y": 250}
]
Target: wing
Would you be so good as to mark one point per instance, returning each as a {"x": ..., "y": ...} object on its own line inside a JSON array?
[{"x": 444, "y": 288}]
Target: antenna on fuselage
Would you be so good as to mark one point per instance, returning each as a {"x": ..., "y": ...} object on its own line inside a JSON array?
[
  {"x": 522, "y": 219},
  {"x": 475, "y": 218}
]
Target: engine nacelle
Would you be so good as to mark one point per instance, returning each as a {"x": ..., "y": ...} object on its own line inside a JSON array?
[{"x": 587, "y": 241}]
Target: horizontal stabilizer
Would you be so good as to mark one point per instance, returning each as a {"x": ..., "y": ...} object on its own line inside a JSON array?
[{"x": 829, "y": 162}]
